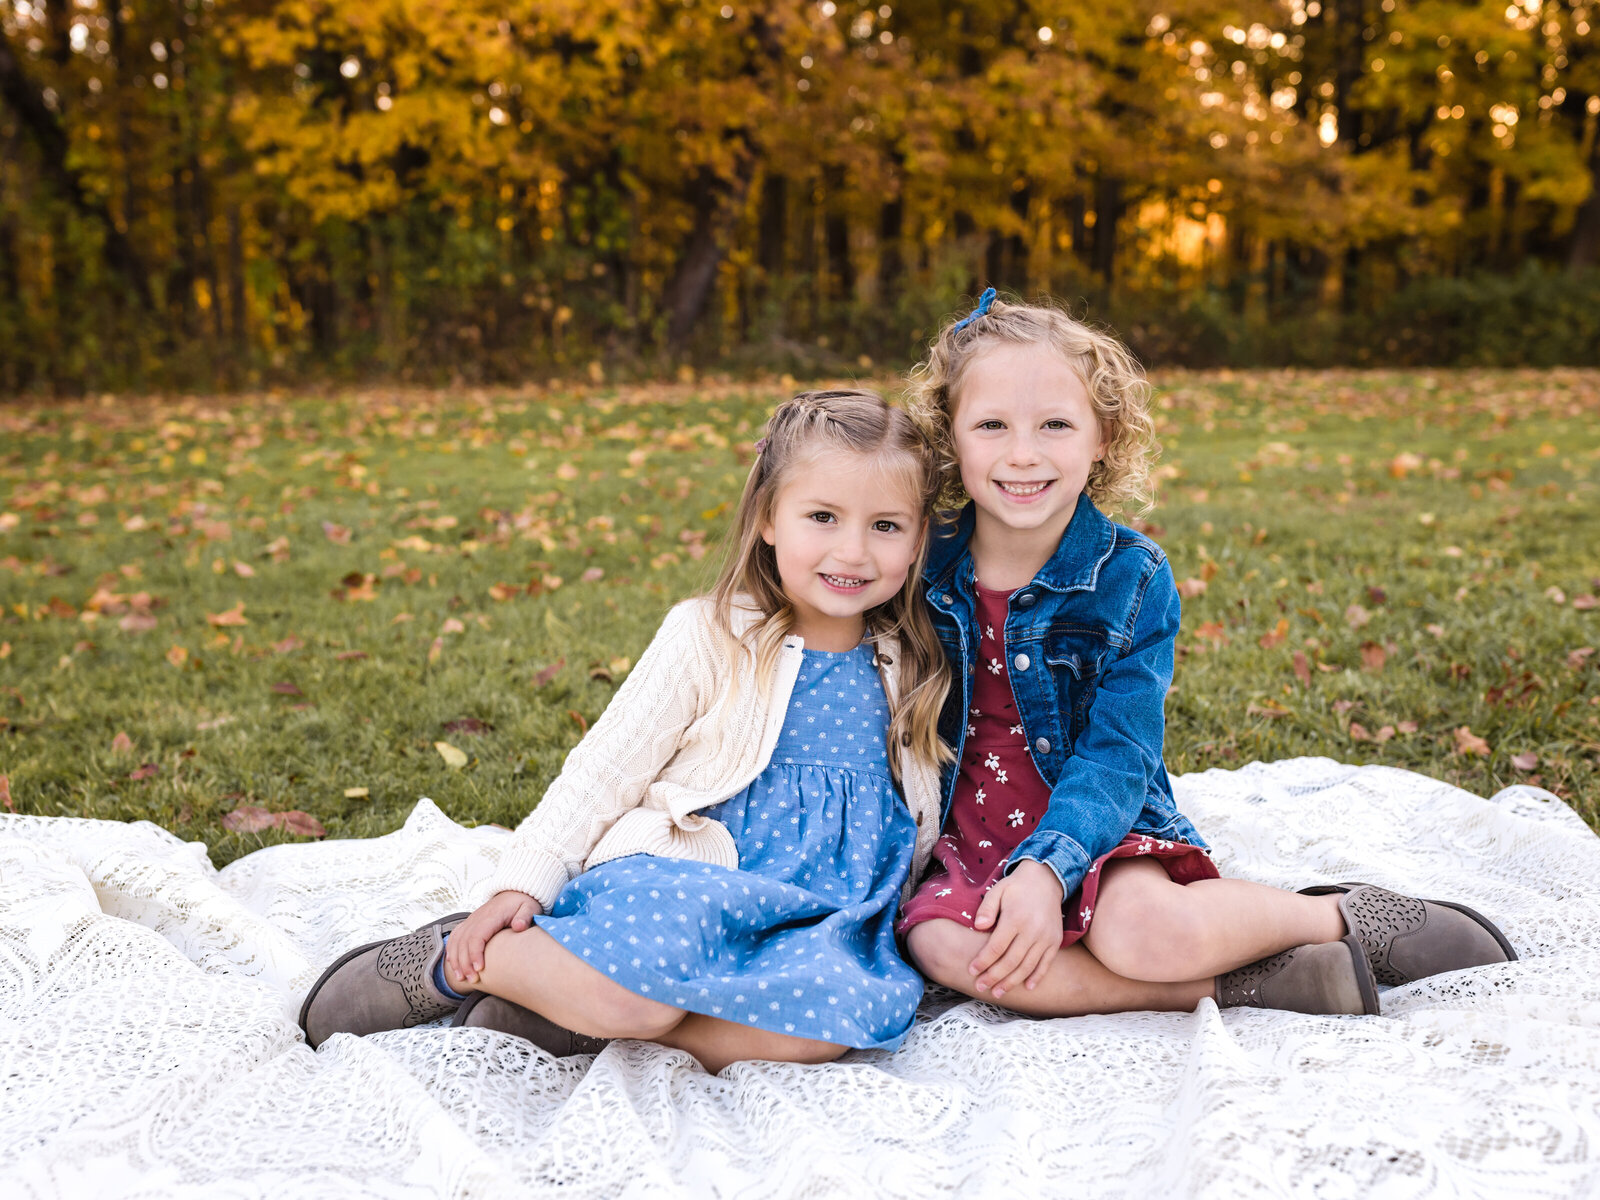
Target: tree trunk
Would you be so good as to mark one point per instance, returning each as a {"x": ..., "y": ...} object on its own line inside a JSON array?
[
  {"x": 27, "y": 101},
  {"x": 717, "y": 203},
  {"x": 836, "y": 238},
  {"x": 891, "y": 259},
  {"x": 1108, "y": 204},
  {"x": 1584, "y": 249}
]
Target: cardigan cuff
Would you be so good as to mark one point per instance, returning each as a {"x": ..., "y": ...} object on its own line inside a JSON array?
[{"x": 526, "y": 869}]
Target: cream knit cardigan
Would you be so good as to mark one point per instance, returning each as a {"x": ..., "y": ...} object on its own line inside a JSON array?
[{"x": 669, "y": 744}]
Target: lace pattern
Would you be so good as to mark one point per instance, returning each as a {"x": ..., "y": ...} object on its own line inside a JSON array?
[{"x": 149, "y": 1048}]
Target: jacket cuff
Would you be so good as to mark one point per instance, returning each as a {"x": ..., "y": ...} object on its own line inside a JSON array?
[
  {"x": 527, "y": 869},
  {"x": 1068, "y": 860}
]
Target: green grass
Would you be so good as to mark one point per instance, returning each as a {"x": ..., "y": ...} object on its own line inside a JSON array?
[{"x": 1450, "y": 509}]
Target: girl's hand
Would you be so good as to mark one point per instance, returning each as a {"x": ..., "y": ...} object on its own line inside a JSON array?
[
  {"x": 463, "y": 953},
  {"x": 1023, "y": 909}
]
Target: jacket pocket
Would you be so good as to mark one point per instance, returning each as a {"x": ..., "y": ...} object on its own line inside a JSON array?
[{"x": 1076, "y": 657}]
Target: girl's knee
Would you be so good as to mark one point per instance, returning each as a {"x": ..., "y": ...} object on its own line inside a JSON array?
[
  {"x": 1141, "y": 927},
  {"x": 942, "y": 950},
  {"x": 619, "y": 1013}
]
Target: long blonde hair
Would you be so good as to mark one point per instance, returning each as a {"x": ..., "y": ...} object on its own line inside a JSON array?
[
  {"x": 1111, "y": 375},
  {"x": 861, "y": 423}
]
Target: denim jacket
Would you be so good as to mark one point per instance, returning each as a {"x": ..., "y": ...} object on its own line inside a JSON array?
[{"x": 1091, "y": 650}]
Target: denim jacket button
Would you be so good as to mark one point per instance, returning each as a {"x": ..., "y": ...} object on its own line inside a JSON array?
[
  {"x": 1020, "y": 662},
  {"x": 945, "y": 598},
  {"x": 1042, "y": 745},
  {"x": 1027, "y": 600}
]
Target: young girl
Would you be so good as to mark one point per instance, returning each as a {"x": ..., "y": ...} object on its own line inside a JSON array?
[
  {"x": 1067, "y": 881},
  {"x": 718, "y": 865}
]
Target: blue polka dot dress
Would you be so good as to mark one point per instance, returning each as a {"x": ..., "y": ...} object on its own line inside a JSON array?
[{"x": 800, "y": 939}]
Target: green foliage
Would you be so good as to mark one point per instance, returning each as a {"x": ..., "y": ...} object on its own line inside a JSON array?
[{"x": 1371, "y": 562}]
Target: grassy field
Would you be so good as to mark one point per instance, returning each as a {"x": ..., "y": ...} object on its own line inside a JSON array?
[{"x": 333, "y": 606}]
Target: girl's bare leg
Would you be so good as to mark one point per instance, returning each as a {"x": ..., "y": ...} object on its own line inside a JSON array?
[
  {"x": 717, "y": 1043},
  {"x": 1147, "y": 927},
  {"x": 533, "y": 970},
  {"x": 1075, "y": 984}
]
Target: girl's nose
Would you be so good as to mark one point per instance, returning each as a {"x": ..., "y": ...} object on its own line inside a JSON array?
[{"x": 1023, "y": 450}]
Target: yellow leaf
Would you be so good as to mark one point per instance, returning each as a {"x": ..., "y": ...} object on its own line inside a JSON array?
[
  {"x": 177, "y": 656},
  {"x": 453, "y": 758},
  {"x": 358, "y": 793}
]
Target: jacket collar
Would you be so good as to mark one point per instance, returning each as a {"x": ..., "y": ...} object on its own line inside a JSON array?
[{"x": 1075, "y": 566}]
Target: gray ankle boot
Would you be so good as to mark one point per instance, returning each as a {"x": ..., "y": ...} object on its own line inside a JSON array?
[
  {"x": 1406, "y": 939},
  {"x": 382, "y": 985},
  {"x": 1326, "y": 979},
  {"x": 483, "y": 1011}
]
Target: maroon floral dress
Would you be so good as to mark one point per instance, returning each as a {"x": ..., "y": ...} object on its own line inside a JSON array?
[{"x": 1000, "y": 798}]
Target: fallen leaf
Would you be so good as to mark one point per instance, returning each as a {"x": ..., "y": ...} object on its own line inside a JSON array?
[
  {"x": 243, "y": 570},
  {"x": 583, "y": 725},
  {"x": 301, "y": 823},
  {"x": 1578, "y": 657},
  {"x": 1276, "y": 637},
  {"x": 1436, "y": 630},
  {"x": 1270, "y": 709},
  {"x": 1208, "y": 571},
  {"x": 1526, "y": 761},
  {"x": 286, "y": 689},
  {"x": 1384, "y": 734},
  {"x": 1406, "y": 727},
  {"x": 350, "y": 655},
  {"x": 1355, "y": 616},
  {"x": 5, "y": 793},
  {"x": 548, "y": 673},
  {"x": 121, "y": 744},
  {"x": 402, "y": 618},
  {"x": 233, "y": 616},
  {"x": 451, "y": 625},
  {"x": 1469, "y": 743},
  {"x": 356, "y": 793},
  {"x": 1213, "y": 632},
  {"x": 1188, "y": 588},
  {"x": 453, "y": 758},
  {"x": 619, "y": 666},
  {"x": 503, "y": 591},
  {"x": 1358, "y": 733},
  {"x": 144, "y": 771},
  {"x": 214, "y": 723},
  {"x": 277, "y": 550},
  {"x": 436, "y": 650},
  {"x": 1372, "y": 656},
  {"x": 1341, "y": 707},
  {"x": 593, "y": 575},
  {"x": 468, "y": 725},
  {"x": 177, "y": 656},
  {"x": 137, "y": 622},
  {"x": 248, "y": 818},
  {"x": 288, "y": 646},
  {"x": 1302, "y": 669},
  {"x": 1376, "y": 595},
  {"x": 337, "y": 534},
  {"x": 1585, "y": 603},
  {"x": 1555, "y": 595}
]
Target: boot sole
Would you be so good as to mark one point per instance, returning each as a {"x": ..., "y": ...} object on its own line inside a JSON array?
[
  {"x": 1488, "y": 926},
  {"x": 305, "y": 1008}
]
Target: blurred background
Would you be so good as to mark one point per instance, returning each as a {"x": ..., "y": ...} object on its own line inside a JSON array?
[{"x": 203, "y": 194}]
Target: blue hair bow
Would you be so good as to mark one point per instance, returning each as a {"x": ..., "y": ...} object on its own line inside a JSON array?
[{"x": 984, "y": 301}]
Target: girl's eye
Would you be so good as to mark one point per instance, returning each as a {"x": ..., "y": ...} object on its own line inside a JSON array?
[
  {"x": 1058, "y": 424},
  {"x": 823, "y": 518},
  {"x": 886, "y": 526},
  {"x": 991, "y": 425}
]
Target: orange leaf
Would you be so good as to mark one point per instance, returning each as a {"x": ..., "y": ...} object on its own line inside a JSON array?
[
  {"x": 1276, "y": 638},
  {"x": 5, "y": 793},
  {"x": 248, "y": 818},
  {"x": 451, "y": 625},
  {"x": 1302, "y": 669},
  {"x": 1188, "y": 588},
  {"x": 121, "y": 744},
  {"x": 301, "y": 823},
  {"x": 1213, "y": 632},
  {"x": 593, "y": 575},
  {"x": 337, "y": 534},
  {"x": 177, "y": 656},
  {"x": 1372, "y": 656},
  {"x": 137, "y": 622},
  {"x": 1355, "y": 616},
  {"x": 233, "y": 616},
  {"x": 1469, "y": 743},
  {"x": 436, "y": 650},
  {"x": 583, "y": 725},
  {"x": 550, "y": 672},
  {"x": 1358, "y": 732}
]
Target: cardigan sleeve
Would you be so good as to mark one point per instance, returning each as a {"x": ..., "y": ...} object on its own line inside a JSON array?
[{"x": 606, "y": 773}]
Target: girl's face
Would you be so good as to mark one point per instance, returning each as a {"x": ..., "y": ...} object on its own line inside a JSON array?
[
  {"x": 845, "y": 529},
  {"x": 1026, "y": 437}
]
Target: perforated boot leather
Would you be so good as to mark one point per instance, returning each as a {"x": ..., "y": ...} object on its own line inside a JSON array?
[
  {"x": 382, "y": 985},
  {"x": 1329, "y": 979},
  {"x": 1406, "y": 939}
]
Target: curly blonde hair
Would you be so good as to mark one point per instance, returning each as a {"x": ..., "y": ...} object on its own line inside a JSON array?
[{"x": 1116, "y": 384}]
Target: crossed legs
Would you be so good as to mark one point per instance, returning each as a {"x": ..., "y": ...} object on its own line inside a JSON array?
[{"x": 533, "y": 970}]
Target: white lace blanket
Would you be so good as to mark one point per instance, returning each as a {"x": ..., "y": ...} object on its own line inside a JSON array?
[{"x": 148, "y": 1044}]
